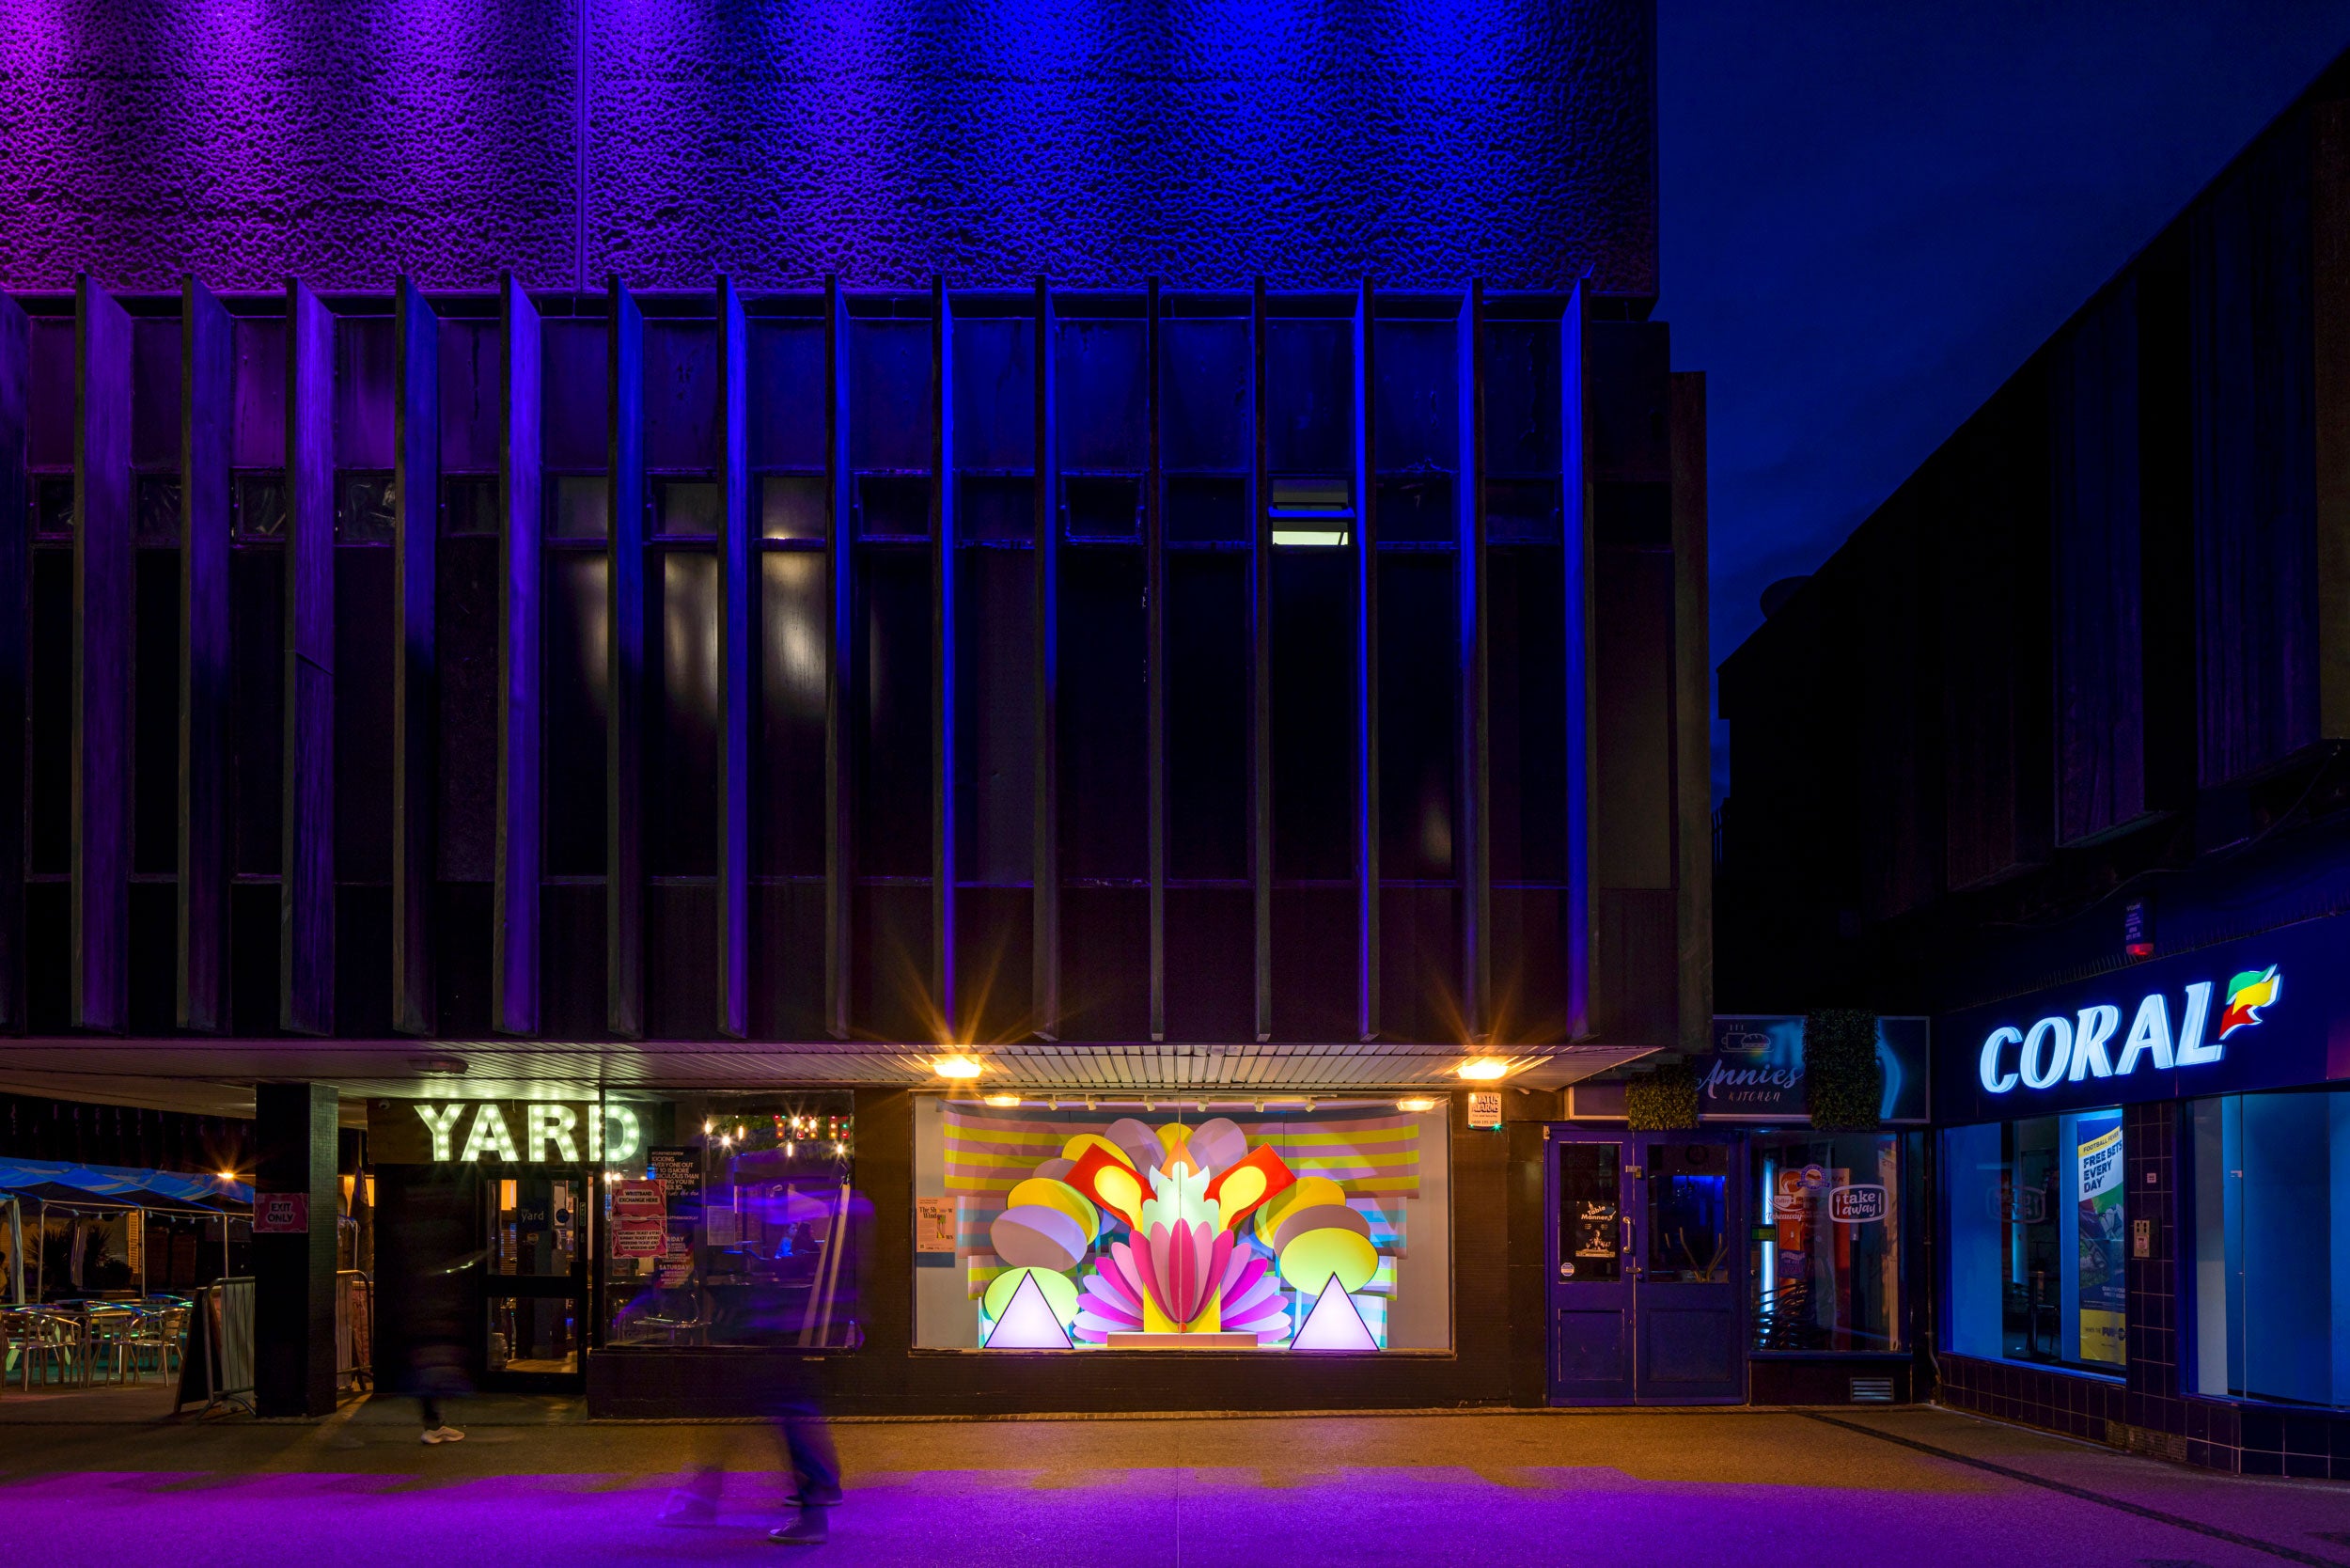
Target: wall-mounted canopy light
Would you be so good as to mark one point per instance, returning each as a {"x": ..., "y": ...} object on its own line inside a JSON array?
[
  {"x": 1003, "y": 1100},
  {"x": 961, "y": 1067},
  {"x": 1416, "y": 1103},
  {"x": 1483, "y": 1069}
]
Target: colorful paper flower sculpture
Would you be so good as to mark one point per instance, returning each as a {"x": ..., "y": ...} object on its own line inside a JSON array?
[{"x": 1215, "y": 1235}]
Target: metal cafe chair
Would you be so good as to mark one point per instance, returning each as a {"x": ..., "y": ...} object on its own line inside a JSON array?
[
  {"x": 42, "y": 1340},
  {"x": 107, "y": 1335}
]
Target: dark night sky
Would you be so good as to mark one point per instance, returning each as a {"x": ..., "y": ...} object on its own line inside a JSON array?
[{"x": 1873, "y": 214}]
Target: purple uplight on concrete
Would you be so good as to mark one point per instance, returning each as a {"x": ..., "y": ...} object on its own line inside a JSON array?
[{"x": 1095, "y": 141}]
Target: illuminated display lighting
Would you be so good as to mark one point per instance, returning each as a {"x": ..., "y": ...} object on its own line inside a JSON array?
[
  {"x": 2059, "y": 1049},
  {"x": 1416, "y": 1103},
  {"x": 549, "y": 1133},
  {"x": 961, "y": 1067},
  {"x": 1003, "y": 1100},
  {"x": 1143, "y": 1236},
  {"x": 1482, "y": 1070}
]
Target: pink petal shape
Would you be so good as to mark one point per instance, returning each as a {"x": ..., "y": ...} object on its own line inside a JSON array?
[
  {"x": 1228, "y": 1283},
  {"x": 1111, "y": 1279},
  {"x": 1182, "y": 1274},
  {"x": 1103, "y": 1303},
  {"x": 1145, "y": 1261}
]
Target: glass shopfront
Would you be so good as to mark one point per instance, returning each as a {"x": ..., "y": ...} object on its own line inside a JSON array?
[
  {"x": 734, "y": 1222},
  {"x": 2268, "y": 1178},
  {"x": 2038, "y": 1240},
  {"x": 1824, "y": 1254}
]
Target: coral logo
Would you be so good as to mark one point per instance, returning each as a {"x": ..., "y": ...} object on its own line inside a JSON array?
[
  {"x": 2094, "y": 1044},
  {"x": 2248, "y": 993}
]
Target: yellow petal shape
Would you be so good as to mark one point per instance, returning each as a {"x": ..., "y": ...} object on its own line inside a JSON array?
[
  {"x": 1120, "y": 1189},
  {"x": 1312, "y": 1257},
  {"x": 1174, "y": 1135},
  {"x": 1060, "y": 1293},
  {"x": 1241, "y": 1189},
  {"x": 1075, "y": 1148},
  {"x": 1061, "y": 1196}
]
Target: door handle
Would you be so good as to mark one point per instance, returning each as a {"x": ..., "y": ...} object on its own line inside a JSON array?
[{"x": 1624, "y": 1238}]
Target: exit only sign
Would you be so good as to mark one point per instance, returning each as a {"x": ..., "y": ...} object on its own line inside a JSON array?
[{"x": 281, "y": 1213}]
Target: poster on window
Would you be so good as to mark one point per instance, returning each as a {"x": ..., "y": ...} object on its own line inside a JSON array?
[{"x": 2103, "y": 1281}]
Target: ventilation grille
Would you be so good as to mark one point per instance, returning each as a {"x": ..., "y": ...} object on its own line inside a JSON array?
[{"x": 1872, "y": 1390}]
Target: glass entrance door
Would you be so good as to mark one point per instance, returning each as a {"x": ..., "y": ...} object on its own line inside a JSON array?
[
  {"x": 535, "y": 1276},
  {"x": 1644, "y": 1294}
]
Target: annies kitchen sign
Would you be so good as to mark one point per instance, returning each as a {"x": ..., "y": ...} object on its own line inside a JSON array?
[{"x": 1755, "y": 1071}]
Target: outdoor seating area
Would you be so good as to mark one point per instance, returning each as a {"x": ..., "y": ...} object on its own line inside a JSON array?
[{"x": 94, "y": 1343}]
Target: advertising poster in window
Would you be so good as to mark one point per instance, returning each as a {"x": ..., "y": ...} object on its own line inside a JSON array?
[{"x": 2103, "y": 1284}]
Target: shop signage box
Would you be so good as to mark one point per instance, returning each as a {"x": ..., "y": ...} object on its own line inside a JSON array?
[
  {"x": 2268, "y": 1012},
  {"x": 1754, "y": 1071}
]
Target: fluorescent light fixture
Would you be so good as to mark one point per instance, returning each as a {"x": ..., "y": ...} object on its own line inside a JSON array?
[
  {"x": 1003, "y": 1099},
  {"x": 1324, "y": 539},
  {"x": 961, "y": 1067},
  {"x": 1415, "y": 1104},
  {"x": 1484, "y": 1069}
]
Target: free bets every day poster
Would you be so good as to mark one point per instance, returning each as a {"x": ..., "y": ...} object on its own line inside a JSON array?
[{"x": 2103, "y": 1284}]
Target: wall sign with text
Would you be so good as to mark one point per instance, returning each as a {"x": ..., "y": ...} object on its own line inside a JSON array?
[
  {"x": 2269, "y": 1011},
  {"x": 1755, "y": 1071},
  {"x": 502, "y": 1131}
]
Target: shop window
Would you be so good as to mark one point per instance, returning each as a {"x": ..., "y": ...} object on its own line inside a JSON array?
[
  {"x": 1125, "y": 1228},
  {"x": 1826, "y": 1251},
  {"x": 2270, "y": 1177},
  {"x": 2037, "y": 1240},
  {"x": 734, "y": 1222}
]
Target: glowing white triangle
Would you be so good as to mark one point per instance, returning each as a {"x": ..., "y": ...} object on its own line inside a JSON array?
[
  {"x": 1333, "y": 1323},
  {"x": 1027, "y": 1323}
]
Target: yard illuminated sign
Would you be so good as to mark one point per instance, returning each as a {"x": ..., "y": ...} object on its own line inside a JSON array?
[
  {"x": 503, "y": 1132},
  {"x": 2074, "y": 1048}
]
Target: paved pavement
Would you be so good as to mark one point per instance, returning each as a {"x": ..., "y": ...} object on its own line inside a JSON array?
[{"x": 534, "y": 1482}]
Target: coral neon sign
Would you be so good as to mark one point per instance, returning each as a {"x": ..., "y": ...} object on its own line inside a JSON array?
[{"x": 2062, "y": 1049}]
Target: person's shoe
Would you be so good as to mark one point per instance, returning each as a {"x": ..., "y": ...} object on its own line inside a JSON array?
[
  {"x": 808, "y": 1529},
  {"x": 444, "y": 1435}
]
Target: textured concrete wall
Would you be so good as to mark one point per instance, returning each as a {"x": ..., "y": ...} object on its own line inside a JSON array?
[{"x": 1092, "y": 140}]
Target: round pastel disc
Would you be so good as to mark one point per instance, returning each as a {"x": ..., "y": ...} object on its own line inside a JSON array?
[
  {"x": 1319, "y": 1217},
  {"x": 1218, "y": 1144},
  {"x": 1305, "y": 1192},
  {"x": 1051, "y": 1194},
  {"x": 1034, "y": 1236},
  {"x": 1138, "y": 1143},
  {"x": 1074, "y": 1149},
  {"x": 1312, "y": 1257}
]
